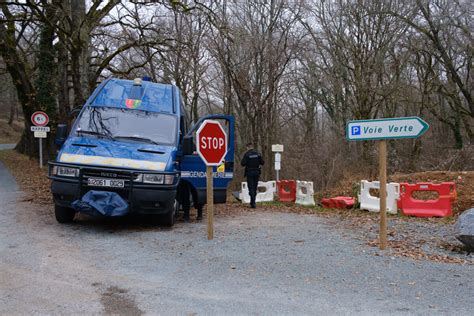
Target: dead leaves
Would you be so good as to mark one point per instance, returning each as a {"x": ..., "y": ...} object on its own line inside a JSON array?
[
  {"x": 412, "y": 250},
  {"x": 32, "y": 180}
]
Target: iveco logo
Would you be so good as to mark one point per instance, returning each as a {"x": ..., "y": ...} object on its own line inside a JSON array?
[{"x": 108, "y": 174}]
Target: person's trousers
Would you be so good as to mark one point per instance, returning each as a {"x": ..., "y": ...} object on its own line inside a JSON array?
[
  {"x": 186, "y": 193},
  {"x": 252, "y": 182}
]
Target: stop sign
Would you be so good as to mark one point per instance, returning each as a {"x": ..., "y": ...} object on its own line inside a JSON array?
[{"x": 211, "y": 142}]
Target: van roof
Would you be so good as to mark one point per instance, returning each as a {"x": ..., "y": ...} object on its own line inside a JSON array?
[{"x": 146, "y": 96}]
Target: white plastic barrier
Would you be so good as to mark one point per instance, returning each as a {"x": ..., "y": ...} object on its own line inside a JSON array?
[
  {"x": 304, "y": 193},
  {"x": 372, "y": 203},
  {"x": 262, "y": 196}
]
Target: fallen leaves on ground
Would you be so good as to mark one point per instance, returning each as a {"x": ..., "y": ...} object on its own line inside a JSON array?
[
  {"x": 412, "y": 249},
  {"x": 32, "y": 180}
]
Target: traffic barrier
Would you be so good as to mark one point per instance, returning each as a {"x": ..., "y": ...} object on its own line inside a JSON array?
[
  {"x": 286, "y": 190},
  {"x": 371, "y": 203},
  {"x": 341, "y": 202},
  {"x": 267, "y": 195},
  {"x": 304, "y": 193},
  {"x": 439, "y": 207}
]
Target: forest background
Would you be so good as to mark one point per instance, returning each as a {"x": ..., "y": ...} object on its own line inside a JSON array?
[{"x": 291, "y": 72}]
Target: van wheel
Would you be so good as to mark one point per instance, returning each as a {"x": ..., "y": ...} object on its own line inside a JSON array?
[
  {"x": 169, "y": 218},
  {"x": 63, "y": 214}
]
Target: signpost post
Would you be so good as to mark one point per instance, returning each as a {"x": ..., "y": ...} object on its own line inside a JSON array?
[
  {"x": 212, "y": 148},
  {"x": 40, "y": 120},
  {"x": 277, "y": 149},
  {"x": 381, "y": 130}
]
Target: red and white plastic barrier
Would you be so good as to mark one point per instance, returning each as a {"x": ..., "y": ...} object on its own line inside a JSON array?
[
  {"x": 342, "y": 202},
  {"x": 286, "y": 190},
  {"x": 439, "y": 207},
  {"x": 371, "y": 203},
  {"x": 304, "y": 193},
  {"x": 265, "y": 192}
]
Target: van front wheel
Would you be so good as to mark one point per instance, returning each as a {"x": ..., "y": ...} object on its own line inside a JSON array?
[
  {"x": 169, "y": 218},
  {"x": 63, "y": 214}
]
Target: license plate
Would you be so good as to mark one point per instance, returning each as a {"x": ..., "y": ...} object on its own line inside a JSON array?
[{"x": 111, "y": 183}]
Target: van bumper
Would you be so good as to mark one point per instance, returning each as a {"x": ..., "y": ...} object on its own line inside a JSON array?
[{"x": 142, "y": 198}]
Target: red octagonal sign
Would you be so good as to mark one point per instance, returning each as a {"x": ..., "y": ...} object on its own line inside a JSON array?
[{"x": 212, "y": 142}]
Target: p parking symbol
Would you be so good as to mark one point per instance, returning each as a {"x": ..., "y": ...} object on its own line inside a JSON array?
[{"x": 355, "y": 130}]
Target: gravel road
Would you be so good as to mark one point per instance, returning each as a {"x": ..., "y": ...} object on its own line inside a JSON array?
[{"x": 258, "y": 263}]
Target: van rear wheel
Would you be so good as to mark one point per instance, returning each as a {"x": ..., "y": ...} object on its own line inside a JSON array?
[{"x": 63, "y": 214}]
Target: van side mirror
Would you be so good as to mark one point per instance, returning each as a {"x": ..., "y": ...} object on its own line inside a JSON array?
[
  {"x": 61, "y": 134},
  {"x": 188, "y": 145}
]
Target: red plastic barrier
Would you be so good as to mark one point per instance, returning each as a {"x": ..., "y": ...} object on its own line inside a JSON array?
[
  {"x": 286, "y": 190},
  {"x": 338, "y": 202},
  {"x": 440, "y": 207}
]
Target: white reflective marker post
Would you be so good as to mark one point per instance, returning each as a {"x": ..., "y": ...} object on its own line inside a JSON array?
[
  {"x": 277, "y": 149},
  {"x": 381, "y": 130}
]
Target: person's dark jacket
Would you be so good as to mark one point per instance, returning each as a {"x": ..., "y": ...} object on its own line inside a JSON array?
[{"x": 252, "y": 161}]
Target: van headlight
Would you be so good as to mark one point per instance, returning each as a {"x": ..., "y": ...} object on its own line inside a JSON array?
[
  {"x": 65, "y": 171},
  {"x": 153, "y": 178}
]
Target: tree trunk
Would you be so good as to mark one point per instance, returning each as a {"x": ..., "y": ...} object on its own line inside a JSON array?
[{"x": 26, "y": 92}]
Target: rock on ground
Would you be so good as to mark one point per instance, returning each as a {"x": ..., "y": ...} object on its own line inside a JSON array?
[{"x": 465, "y": 228}]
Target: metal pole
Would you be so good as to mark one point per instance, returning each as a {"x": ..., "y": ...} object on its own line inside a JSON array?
[
  {"x": 383, "y": 193},
  {"x": 41, "y": 152}
]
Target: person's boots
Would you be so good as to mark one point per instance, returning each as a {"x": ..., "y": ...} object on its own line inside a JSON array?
[
  {"x": 252, "y": 202},
  {"x": 186, "y": 217},
  {"x": 199, "y": 215}
]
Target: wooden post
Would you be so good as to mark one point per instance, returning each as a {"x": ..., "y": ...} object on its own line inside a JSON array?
[
  {"x": 383, "y": 194},
  {"x": 210, "y": 203}
]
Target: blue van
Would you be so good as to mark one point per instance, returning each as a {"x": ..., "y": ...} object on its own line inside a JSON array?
[{"x": 131, "y": 150}]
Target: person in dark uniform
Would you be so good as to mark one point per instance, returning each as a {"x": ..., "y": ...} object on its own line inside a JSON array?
[
  {"x": 252, "y": 161},
  {"x": 185, "y": 193}
]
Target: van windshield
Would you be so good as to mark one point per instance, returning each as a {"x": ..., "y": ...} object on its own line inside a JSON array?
[{"x": 126, "y": 124}]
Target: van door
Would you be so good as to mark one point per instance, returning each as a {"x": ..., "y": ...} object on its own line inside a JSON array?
[{"x": 193, "y": 168}]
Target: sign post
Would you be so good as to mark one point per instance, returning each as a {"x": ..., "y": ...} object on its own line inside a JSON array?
[
  {"x": 212, "y": 148},
  {"x": 381, "y": 130},
  {"x": 40, "y": 120},
  {"x": 277, "y": 149}
]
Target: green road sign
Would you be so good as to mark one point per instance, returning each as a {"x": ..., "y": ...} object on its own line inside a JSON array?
[{"x": 389, "y": 128}]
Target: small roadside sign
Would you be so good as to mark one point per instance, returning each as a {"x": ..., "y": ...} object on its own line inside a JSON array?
[
  {"x": 381, "y": 130},
  {"x": 40, "y": 129},
  {"x": 390, "y": 128},
  {"x": 277, "y": 148},
  {"x": 41, "y": 134},
  {"x": 39, "y": 118}
]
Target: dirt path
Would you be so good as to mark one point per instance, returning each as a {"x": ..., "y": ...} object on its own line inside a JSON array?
[{"x": 258, "y": 263}]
